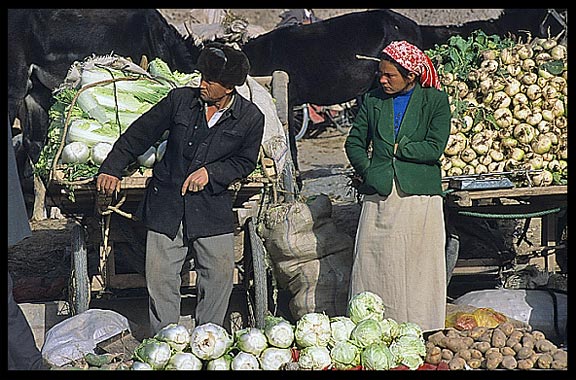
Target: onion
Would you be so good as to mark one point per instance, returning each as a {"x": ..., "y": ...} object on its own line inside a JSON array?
[
  {"x": 524, "y": 51},
  {"x": 544, "y": 178},
  {"x": 528, "y": 65},
  {"x": 148, "y": 158},
  {"x": 561, "y": 122},
  {"x": 517, "y": 154},
  {"x": 533, "y": 92},
  {"x": 521, "y": 111},
  {"x": 454, "y": 171},
  {"x": 75, "y": 152},
  {"x": 500, "y": 100},
  {"x": 457, "y": 162},
  {"x": 481, "y": 169},
  {"x": 512, "y": 87},
  {"x": 524, "y": 133},
  {"x": 529, "y": 78},
  {"x": 468, "y": 154},
  {"x": 548, "y": 43},
  {"x": 559, "y": 52},
  {"x": 534, "y": 118},
  {"x": 496, "y": 155},
  {"x": 456, "y": 143},
  {"x": 490, "y": 65},
  {"x": 100, "y": 152}
]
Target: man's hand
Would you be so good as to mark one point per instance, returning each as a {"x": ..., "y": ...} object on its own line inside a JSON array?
[
  {"x": 195, "y": 181},
  {"x": 107, "y": 184}
]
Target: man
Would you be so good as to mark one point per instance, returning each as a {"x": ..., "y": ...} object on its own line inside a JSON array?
[
  {"x": 214, "y": 139},
  {"x": 22, "y": 351}
]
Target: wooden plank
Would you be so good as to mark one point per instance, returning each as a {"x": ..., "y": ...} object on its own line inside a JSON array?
[{"x": 467, "y": 198}]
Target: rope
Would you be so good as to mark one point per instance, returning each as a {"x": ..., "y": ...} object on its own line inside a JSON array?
[{"x": 510, "y": 216}]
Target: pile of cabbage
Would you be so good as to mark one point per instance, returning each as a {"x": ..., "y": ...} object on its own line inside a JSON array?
[
  {"x": 99, "y": 99},
  {"x": 363, "y": 339},
  {"x": 509, "y": 101}
]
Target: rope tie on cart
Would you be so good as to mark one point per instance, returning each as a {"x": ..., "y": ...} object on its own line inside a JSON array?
[{"x": 510, "y": 216}]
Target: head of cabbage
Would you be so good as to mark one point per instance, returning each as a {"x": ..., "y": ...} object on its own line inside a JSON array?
[{"x": 365, "y": 305}]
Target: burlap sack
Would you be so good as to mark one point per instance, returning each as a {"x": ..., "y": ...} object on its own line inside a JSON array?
[
  {"x": 310, "y": 256},
  {"x": 302, "y": 231}
]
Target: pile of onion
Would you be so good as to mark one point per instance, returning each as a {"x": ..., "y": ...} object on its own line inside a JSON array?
[{"x": 510, "y": 113}]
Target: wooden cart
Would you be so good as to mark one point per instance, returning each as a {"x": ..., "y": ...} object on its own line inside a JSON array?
[
  {"x": 545, "y": 203},
  {"x": 105, "y": 226}
]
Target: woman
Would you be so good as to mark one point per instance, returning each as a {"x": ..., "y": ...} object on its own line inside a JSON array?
[{"x": 395, "y": 145}]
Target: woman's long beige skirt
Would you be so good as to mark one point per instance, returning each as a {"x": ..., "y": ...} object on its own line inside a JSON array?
[{"x": 399, "y": 254}]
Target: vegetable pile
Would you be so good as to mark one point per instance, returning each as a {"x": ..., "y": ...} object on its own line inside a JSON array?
[
  {"x": 502, "y": 347},
  {"x": 509, "y": 105},
  {"x": 364, "y": 339},
  {"x": 99, "y": 99}
]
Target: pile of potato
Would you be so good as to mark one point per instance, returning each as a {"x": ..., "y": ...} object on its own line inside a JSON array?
[{"x": 502, "y": 347}]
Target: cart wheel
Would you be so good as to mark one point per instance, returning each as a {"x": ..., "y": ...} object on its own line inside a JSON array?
[
  {"x": 260, "y": 283},
  {"x": 79, "y": 286}
]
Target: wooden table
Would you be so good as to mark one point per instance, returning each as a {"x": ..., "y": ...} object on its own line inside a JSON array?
[{"x": 525, "y": 202}]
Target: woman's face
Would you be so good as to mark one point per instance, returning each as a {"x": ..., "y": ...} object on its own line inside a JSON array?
[{"x": 392, "y": 81}]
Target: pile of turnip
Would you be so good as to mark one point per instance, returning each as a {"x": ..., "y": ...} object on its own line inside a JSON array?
[{"x": 509, "y": 102}]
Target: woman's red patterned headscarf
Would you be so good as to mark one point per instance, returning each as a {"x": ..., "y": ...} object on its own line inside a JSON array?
[{"x": 414, "y": 60}]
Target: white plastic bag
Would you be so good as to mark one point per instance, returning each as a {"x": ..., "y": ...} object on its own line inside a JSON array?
[{"x": 76, "y": 336}]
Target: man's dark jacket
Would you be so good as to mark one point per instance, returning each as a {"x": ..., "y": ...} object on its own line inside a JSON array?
[{"x": 229, "y": 151}]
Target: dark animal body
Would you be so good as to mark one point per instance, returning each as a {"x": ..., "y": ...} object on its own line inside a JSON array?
[
  {"x": 320, "y": 58},
  {"x": 512, "y": 22},
  {"x": 44, "y": 43}
]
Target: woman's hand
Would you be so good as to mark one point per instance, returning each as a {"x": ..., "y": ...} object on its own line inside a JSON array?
[{"x": 195, "y": 181}]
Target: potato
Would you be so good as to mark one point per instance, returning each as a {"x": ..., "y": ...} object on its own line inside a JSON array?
[
  {"x": 559, "y": 364},
  {"x": 436, "y": 337},
  {"x": 511, "y": 341},
  {"x": 464, "y": 354},
  {"x": 474, "y": 363},
  {"x": 477, "y": 332},
  {"x": 447, "y": 354},
  {"x": 433, "y": 355},
  {"x": 560, "y": 355},
  {"x": 493, "y": 359},
  {"x": 498, "y": 338},
  {"x": 456, "y": 344},
  {"x": 481, "y": 346},
  {"x": 538, "y": 335},
  {"x": 506, "y": 327},
  {"x": 545, "y": 361},
  {"x": 453, "y": 333},
  {"x": 524, "y": 353},
  {"x": 544, "y": 345},
  {"x": 476, "y": 354},
  {"x": 517, "y": 347},
  {"x": 507, "y": 351},
  {"x": 491, "y": 350},
  {"x": 486, "y": 337},
  {"x": 516, "y": 335},
  {"x": 456, "y": 363},
  {"x": 509, "y": 362},
  {"x": 527, "y": 340},
  {"x": 525, "y": 364}
]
